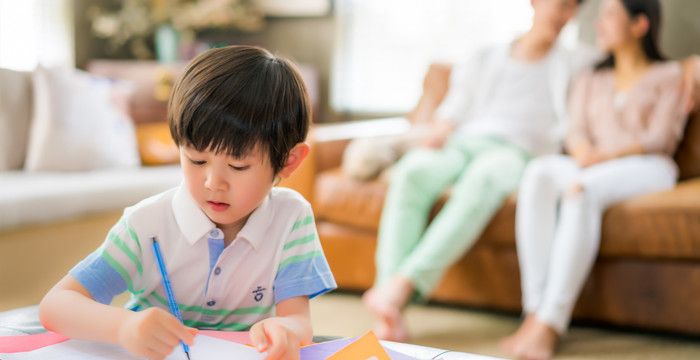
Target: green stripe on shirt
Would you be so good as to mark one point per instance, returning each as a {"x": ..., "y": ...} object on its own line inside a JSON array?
[
  {"x": 125, "y": 249},
  {"x": 122, "y": 272},
  {"x": 303, "y": 222},
  {"x": 236, "y": 326},
  {"x": 299, "y": 241},
  {"x": 299, "y": 258},
  {"x": 217, "y": 312},
  {"x": 132, "y": 234}
]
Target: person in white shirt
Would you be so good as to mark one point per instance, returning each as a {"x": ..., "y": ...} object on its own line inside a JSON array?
[{"x": 502, "y": 108}]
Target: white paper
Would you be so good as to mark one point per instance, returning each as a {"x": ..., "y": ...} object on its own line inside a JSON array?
[{"x": 204, "y": 348}]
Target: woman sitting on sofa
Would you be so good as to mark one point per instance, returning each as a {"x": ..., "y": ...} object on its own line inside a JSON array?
[{"x": 627, "y": 117}]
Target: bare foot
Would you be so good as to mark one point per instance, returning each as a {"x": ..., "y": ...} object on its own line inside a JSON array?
[
  {"x": 509, "y": 343},
  {"x": 386, "y": 303},
  {"x": 536, "y": 341}
]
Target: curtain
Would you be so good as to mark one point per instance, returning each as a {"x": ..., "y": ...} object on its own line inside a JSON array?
[
  {"x": 384, "y": 47},
  {"x": 34, "y": 32}
]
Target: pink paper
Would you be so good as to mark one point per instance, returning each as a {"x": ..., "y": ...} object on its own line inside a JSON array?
[
  {"x": 20, "y": 343},
  {"x": 240, "y": 337}
]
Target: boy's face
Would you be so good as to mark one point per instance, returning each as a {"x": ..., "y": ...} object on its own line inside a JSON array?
[{"x": 227, "y": 189}]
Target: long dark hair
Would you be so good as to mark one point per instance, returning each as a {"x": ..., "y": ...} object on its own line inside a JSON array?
[{"x": 650, "y": 43}]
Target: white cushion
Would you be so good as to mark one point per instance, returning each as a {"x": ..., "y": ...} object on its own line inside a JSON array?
[
  {"x": 40, "y": 197},
  {"x": 15, "y": 117},
  {"x": 76, "y": 124}
]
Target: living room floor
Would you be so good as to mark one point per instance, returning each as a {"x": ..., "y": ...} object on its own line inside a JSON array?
[{"x": 474, "y": 331}]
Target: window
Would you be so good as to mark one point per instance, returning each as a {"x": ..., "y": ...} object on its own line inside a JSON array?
[
  {"x": 36, "y": 32},
  {"x": 384, "y": 47}
]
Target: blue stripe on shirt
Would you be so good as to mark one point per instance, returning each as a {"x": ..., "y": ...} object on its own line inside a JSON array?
[
  {"x": 310, "y": 278},
  {"x": 99, "y": 278}
]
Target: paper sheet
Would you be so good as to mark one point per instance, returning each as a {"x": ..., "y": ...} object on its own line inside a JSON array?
[{"x": 204, "y": 347}]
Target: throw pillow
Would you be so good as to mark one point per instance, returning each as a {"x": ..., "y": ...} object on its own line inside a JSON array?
[
  {"x": 77, "y": 123},
  {"x": 15, "y": 117}
]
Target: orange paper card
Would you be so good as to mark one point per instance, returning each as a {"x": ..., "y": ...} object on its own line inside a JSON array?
[{"x": 364, "y": 348}]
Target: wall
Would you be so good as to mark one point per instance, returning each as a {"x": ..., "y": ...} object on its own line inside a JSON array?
[
  {"x": 311, "y": 40},
  {"x": 305, "y": 40},
  {"x": 680, "y": 29}
]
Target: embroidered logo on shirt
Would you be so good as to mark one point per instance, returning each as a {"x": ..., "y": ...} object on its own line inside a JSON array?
[{"x": 258, "y": 293}]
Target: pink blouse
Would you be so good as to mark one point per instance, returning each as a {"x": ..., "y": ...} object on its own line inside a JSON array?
[{"x": 650, "y": 113}]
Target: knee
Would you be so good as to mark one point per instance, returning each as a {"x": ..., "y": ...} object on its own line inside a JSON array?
[
  {"x": 575, "y": 191},
  {"x": 539, "y": 173},
  {"x": 410, "y": 169}
]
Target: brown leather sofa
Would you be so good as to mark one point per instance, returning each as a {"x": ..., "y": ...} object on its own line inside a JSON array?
[{"x": 646, "y": 276}]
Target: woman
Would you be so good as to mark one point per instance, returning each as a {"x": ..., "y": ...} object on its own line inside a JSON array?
[{"x": 627, "y": 117}]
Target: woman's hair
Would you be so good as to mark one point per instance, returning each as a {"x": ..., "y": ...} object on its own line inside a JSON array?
[{"x": 650, "y": 42}]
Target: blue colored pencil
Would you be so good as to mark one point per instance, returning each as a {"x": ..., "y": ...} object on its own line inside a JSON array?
[{"x": 172, "y": 304}]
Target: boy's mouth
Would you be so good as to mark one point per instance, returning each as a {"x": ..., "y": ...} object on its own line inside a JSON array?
[{"x": 218, "y": 206}]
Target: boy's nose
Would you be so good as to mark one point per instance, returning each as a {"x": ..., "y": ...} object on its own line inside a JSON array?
[{"x": 215, "y": 182}]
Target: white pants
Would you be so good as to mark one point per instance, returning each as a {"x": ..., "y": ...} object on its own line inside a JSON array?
[{"x": 558, "y": 230}]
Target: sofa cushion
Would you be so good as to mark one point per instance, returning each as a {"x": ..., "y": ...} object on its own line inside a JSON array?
[
  {"x": 15, "y": 117},
  {"x": 78, "y": 123},
  {"x": 661, "y": 225},
  {"x": 688, "y": 154},
  {"x": 38, "y": 197},
  {"x": 156, "y": 146},
  {"x": 343, "y": 200}
]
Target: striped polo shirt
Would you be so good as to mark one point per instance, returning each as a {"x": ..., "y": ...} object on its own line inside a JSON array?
[{"x": 275, "y": 256}]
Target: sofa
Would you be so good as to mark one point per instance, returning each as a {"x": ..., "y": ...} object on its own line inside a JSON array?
[
  {"x": 50, "y": 219},
  {"x": 647, "y": 275}
]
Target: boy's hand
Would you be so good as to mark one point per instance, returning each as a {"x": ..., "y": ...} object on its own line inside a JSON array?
[
  {"x": 273, "y": 336},
  {"x": 153, "y": 333}
]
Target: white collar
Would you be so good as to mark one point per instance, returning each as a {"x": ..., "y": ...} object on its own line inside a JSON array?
[{"x": 194, "y": 223}]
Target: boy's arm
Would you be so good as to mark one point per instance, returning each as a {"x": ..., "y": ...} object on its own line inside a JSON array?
[
  {"x": 69, "y": 309},
  {"x": 283, "y": 335}
]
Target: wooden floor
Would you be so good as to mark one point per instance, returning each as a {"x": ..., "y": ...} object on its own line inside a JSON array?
[{"x": 479, "y": 332}]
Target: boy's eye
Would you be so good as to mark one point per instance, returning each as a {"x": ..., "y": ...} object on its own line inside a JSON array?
[
  {"x": 239, "y": 168},
  {"x": 198, "y": 162}
]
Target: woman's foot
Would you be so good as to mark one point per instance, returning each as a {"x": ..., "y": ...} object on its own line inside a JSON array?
[
  {"x": 509, "y": 343},
  {"x": 534, "y": 340},
  {"x": 386, "y": 303}
]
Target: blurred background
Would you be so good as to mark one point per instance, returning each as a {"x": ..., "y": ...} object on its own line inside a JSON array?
[{"x": 369, "y": 56}]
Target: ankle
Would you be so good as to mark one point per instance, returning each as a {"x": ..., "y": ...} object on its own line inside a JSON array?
[{"x": 399, "y": 290}]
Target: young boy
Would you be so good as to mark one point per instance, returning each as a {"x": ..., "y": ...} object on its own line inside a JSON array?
[{"x": 240, "y": 254}]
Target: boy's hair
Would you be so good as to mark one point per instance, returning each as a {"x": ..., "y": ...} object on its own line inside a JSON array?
[{"x": 236, "y": 98}]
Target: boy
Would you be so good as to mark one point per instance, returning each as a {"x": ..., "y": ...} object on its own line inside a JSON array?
[{"x": 240, "y": 254}]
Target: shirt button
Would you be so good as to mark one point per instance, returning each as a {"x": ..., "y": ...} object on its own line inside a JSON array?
[
  {"x": 211, "y": 303},
  {"x": 217, "y": 271},
  {"x": 216, "y": 234}
]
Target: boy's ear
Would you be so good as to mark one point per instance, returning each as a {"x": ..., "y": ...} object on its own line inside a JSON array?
[{"x": 294, "y": 159}]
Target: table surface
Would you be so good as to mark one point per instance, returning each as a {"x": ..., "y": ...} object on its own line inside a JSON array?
[{"x": 25, "y": 321}]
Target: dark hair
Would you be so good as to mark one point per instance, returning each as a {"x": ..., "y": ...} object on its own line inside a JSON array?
[
  {"x": 650, "y": 43},
  {"x": 232, "y": 99}
]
